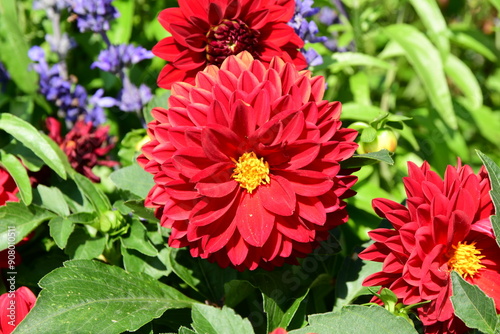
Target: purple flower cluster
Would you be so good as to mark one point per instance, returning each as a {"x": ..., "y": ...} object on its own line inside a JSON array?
[
  {"x": 116, "y": 57},
  {"x": 93, "y": 15},
  {"x": 131, "y": 97},
  {"x": 329, "y": 16},
  {"x": 70, "y": 97},
  {"x": 4, "y": 77},
  {"x": 307, "y": 30}
]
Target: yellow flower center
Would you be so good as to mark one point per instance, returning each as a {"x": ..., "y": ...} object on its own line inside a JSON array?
[
  {"x": 250, "y": 171},
  {"x": 466, "y": 259}
]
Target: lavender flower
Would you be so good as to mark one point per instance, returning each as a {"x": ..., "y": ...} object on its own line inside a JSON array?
[
  {"x": 307, "y": 30},
  {"x": 131, "y": 97},
  {"x": 60, "y": 44},
  {"x": 93, "y": 15},
  {"x": 71, "y": 98},
  {"x": 117, "y": 57},
  {"x": 4, "y": 77},
  {"x": 329, "y": 16}
]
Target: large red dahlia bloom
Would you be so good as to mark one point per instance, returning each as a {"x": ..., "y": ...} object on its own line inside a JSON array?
[
  {"x": 8, "y": 188},
  {"x": 246, "y": 163},
  {"x": 206, "y": 32},
  {"x": 445, "y": 226}
]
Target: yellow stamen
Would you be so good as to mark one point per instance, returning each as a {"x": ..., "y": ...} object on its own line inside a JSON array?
[
  {"x": 466, "y": 259},
  {"x": 250, "y": 172}
]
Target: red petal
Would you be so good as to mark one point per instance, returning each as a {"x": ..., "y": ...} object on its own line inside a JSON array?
[
  {"x": 278, "y": 197},
  {"x": 254, "y": 222}
]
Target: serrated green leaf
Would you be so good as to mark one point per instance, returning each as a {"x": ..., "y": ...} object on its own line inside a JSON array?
[
  {"x": 427, "y": 63},
  {"x": 494, "y": 176},
  {"x": 184, "y": 330},
  {"x": 15, "y": 48},
  {"x": 357, "y": 319},
  {"x": 430, "y": 14},
  {"x": 100, "y": 298},
  {"x": 32, "y": 139},
  {"x": 134, "y": 179},
  {"x": 472, "y": 305},
  {"x": 210, "y": 320},
  {"x": 465, "y": 80},
  {"x": 339, "y": 61},
  {"x": 99, "y": 200},
  {"x": 359, "y": 160},
  {"x": 18, "y": 172},
  {"x": 137, "y": 239},
  {"x": 21, "y": 220},
  {"x": 60, "y": 230},
  {"x": 53, "y": 199}
]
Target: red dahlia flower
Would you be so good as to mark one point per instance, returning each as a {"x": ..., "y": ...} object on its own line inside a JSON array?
[
  {"x": 14, "y": 307},
  {"x": 206, "y": 32},
  {"x": 246, "y": 163},
  {"x": 445, "y": 226},
  {"x": 85, "y": 146},
  {"x": 8, "y": 188}
]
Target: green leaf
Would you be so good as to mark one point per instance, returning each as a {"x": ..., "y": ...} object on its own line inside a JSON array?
[
  {"x": 211, "y": 320},
  {"x": 99, "y": 200},
  {"x": 360, "y": 88},
  {"x": 357, "y": 319},
  {"x": 18, "y": 172},
  {"x": 494, "y": 176},
  {"x": 472, "y": 305},
  {"x": 235, "y": 291},
  {"x": 359, "y": 160},
  {"x": 99, "y": 298},
  {"x": 204, "y": 277},
  {"x": 141, "y": 211},
  {"x": 465, "y": 80},
  {"x": 137, "y": 262},
  {"x": 134, "y": 179},
  {"x": 15, "y": 48},
  {"x": 121, "y": 28},
  {"x": 341, "y": 60},
  {"x": 157, "y": 101},
  {"x": 474, "y": 39},
  {"x": 496, "y": 3},
  {"x": 433, "y": 20},
  {"x": 21, "y": 220},
  {"x": 427, "y": 63},
  {"x": 32, "y": 139},
  {"x": 137, "y": 239},
  {"x": 360, "y": 112},
  {"x": 349, "y": 281},
  {"x": 368, "y": 135},
  {"x": 60, "y": 230},
  {"x": 488, "y": 122},
  {"x": 81, "y": 245},
  {"x": 53, "y": 199}
]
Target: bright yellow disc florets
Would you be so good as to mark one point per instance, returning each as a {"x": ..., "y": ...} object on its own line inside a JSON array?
[
  {"x": 250, "y": 171},
  {"x": 465, "y": 259}
]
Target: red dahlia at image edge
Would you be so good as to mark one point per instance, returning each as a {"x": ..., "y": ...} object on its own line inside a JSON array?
[
  {"x": 444, "y": 226},
  {"x": 14, "y": 306},
  {"x": 206, "y": 32},
  {"x": 246, "y": 163}
]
